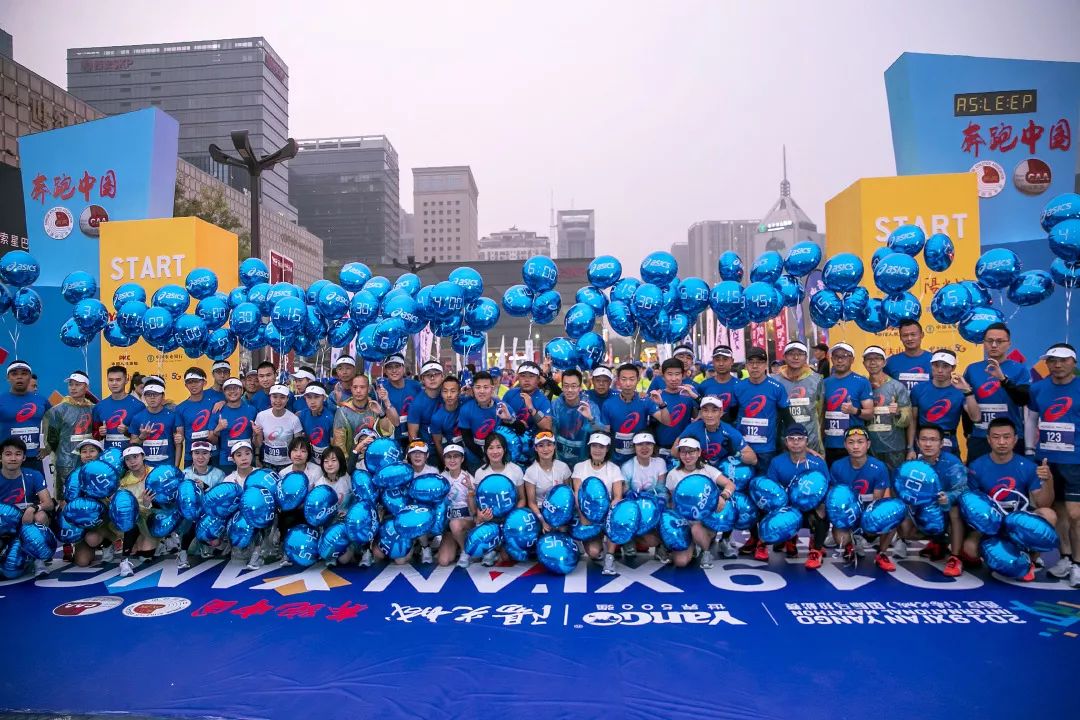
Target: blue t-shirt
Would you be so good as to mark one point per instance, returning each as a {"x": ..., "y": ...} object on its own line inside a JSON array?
[
  {"x": 215, "y": 395},
  {"x": 516, "y": 404},
  {"x": 260, "y": 400},
  {"x": 952, "y": 473},
  {"x": 572, "y": 430},
  {"x": 402, "y": 399},
  {"x": 909, "y": 370},
  {"x": 716, "y": 445},
  {"x": 682, "y": 409},
  {"x": 1058, "y": 407},
  {"x": 421, "y": 411},
  {"x": 758, "y": 414},
  {"x": 994, "y": 401},
  {"x": 873, "y": 475},
  {"x": 853, "y": 388},
  {"x": 658, "y": 383},
  {"x": 625, "y": 419},
  {"x": 195, "y": 418},
  {"x": 992, "y": 478},
  {"x": 112, "y": 414},
  {"x": 481, "y": 422},
  {"x": 598, "y": 398},
  {"x": 241, "y": 426},
  {"x": 318, "y": 429},
  {"x": 21, "y": 416},
  {"x": 725, "y": 391},
  {"x": 158, "y": 445},
  {"x": 939, "y": 406},
  {"x": 783, "y": 469},
  {"x": 23, "y": 489}
]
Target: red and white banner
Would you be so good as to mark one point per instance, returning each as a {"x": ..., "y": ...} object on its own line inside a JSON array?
[
  {"x": 781, "y": 325},
  {"x": 281, "y": 267},
  {"x": 759, "y": 336},
  {"x": 737, "y": 340}
]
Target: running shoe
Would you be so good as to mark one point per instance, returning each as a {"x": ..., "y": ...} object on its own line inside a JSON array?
[
  {"x": 749, "y": 547},
  {"x": 954, "y": 566},
  {"x": 609, "y": 564},
  {"x": 706, "y": 560},
  {"x": 813, "y": 560},
  {"x": 884, "y": 562},
  {"x": 762, "y": 552},
  {"x": 182, "y": 560},
  {"x": 1061, "y": 568},
  {"x": 790, "y": 548}
]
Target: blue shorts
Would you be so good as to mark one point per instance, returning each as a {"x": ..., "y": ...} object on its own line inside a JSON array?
[{"x": 1066, "y": 481}]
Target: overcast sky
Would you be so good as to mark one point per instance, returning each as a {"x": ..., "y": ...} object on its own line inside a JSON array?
[{"x": 657, "y": 115}]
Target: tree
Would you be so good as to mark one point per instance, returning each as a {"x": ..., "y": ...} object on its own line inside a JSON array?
[
  {"x": 331, "y": 270},
  {"x": 210, "y": 205}
]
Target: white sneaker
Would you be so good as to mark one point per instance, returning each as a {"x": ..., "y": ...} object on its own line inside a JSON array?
[
  {"x": 629, "y": 550},
  {"x": 126, "y": 570},
  {"x": 425, "y": 556},
  {"x": 436, "y": 542},
  {"x": 463, "y": 560},
  {"x": 725, "y": 550},
  {"x": 171, "y": 543},
  {"x": 861, "y": 546},
  {"x": 256, "y": 560},
  {"x": 365, "y": 559},
  {"x": 39, "y": 569},
  {"x": 609, "y": 564},
  {"x": 706, "y": 560},
  {"x": 107, "y": 554},
  {"x": 206, "y": 552},
  {"x": 661, "y": 555},
  {"x": 830, "y": 541},
  {"x": 1061, "y": 568},
  {"x": 1074, "y": 576},
  {"x": 182, "y": 560},
  {"x": 489, "y": 558},
  {"x": 899, "y": 549}
]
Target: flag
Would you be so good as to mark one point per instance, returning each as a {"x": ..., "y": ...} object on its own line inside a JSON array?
[{"x": 781, "y": 331}]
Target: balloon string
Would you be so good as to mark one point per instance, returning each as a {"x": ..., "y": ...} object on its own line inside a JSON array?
[{"x": 1068, "y": 302}]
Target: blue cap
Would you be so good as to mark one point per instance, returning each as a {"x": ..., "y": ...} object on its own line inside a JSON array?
[{"x": 795, "y": 431}]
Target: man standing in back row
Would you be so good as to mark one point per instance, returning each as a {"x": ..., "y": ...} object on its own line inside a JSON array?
[{"x": 912, "y": 366}]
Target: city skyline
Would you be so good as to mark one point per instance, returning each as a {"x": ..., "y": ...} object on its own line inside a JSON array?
[{"x": 628, "y": 101}]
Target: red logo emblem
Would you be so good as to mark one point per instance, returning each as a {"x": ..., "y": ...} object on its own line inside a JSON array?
[
  {"x": 156, "y": 431},
  {"x": 1055, "y": 412},
  {"x": 238, "y": 428},
  {"x": 117, "y": 419},
  {"x": 630, "y": 423},
  {"x": 316, "y": 436},
  {"x": 201, "y": 420},
  {"x": 678, "y": 412},
  {"x": 836, "y": 399},
  {"x": 938, "y": 410},
  {"x": 987, "y": 389},
  {"x": 26, "y": 412},
  {"x": 799, "y": 392},
  {"x": 755, "y": 406},
  {"x": 1003, "y": 485},
  {"x": 862, "y": 486},
  {"x": 486, "y": 428}
]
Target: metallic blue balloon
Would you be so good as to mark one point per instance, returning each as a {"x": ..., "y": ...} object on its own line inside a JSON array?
[
  {"x": 517, "y": 301},
  {"x": 173, "y": 298},
  {"x": 593, "y": 297},
  {"x": 390, "y": 334},
  {"x": 780, "y": 525},
  {"x": 214, "y": 311},
  {"x": 246, "y": 318},
  {"x": 73, "y": 486},
  {"x": 253, "y": 271},
  {"x": 938, "y": 252},
  {"x": 998, "y": 268},
  {"x": 114, "y": 458},
  {"x": 980, "y": 512},
  {"x": 466, "y": 341},
  {"x": 902, "y": 306},
  {"x": 99, "y": 479},
  {"x": 521, "y": 528},
  {"x": 604, "y": 271},
  {"x": 842, "y": 507},
  {"x": 931, "y": 519},
  {"x": 128, "y": 292},
  {"x": 974, "y": 324},
  {"x": 855, "y": 303},
  {"x": 563, "y": 353},
  {"x": 257, "y": 295},
  {"x": 826, "y": 308},
  {"x": 761, "y": 300},
  {"x": 585, "y": 531},
  {"x": 67, "y": 532},
  {"x": 333, "y": 542},
  {"x": 38, "y": 541},
  {"x": 591, "y": 349},
  {"x": 678, "y": 327},
  {"x": 767, "y": 267},
  {"x": 363, "y": 309},
  {"x": 84, "y": 512},
  {"x": 320, "y": 505},
  {"x": 558, "y": 506},
  {"x": 394, "y": 475},
  {"x": 395, "y": 499},
  {"x": 429, "y": 488},
  {"x": 341, "y": 332},
  {"x": 896, "y": 273},
  {"x": 263, "y": 478},
  {"x": 621, "y": 319},
  {"x": 211, "y": 528},
  {"x": 674, "y": 531},
  {"x": 579, "y": 319},
  {"x": 414, "y": 521},
  {"x": 220, "y": 344},
  {"x": 1030, "y": 531},
  {"x": 483, "y": 538},
  {"x": 238, "y": 295},
  {"x": 469, "y": 280},
  {"x": 726, "y": 299},
  {"x": 90, "y": 315},
  {"x": 192, "y": 334},
  {"x": 258, "y": 506},
  {"x": 1061, "y": 208},
  {"x": 189, "y": 499},
  {"x": 361, "y": 522},
  {"x": 482, "y": 314},
  {"x": 26, "y": 306},
  {"x": 163, "y": 522},
  {"x": 883, "y": 515},
  {"x": 737, "y": 321},
  {"x": 447, "y": 299},
  {"x": 624, "y": 289},
  {"x": 695, "y": 497},
  {"x": 201, "y": 283},
  {"x": 880, "y": 253},
  {"x": 378, "y": 286},
  {"x": 807, "y": 490},
  {"x": 1030, "y": 287},
  {"x": 164, "y": 482},
  {"x": 540, "y": 273},
  {"x": 353, "y": 275},
  {"x": 129, "y": 317},
  {"x": 333, "y": 301},
  {"x": 301, "y": 545},
  {"x": 730, "y": 267},
  {"x": 1067, "y": 275},
  {"x": 13, "y": 560},
  {"x": 790, "y": 289},
  {"x": 802, "y": 259},
  {"x": 906, "y": 239},
  {"x": 1004, "y": 557},
  {"x": 391, "y": 542},
  {"x": 277, "y": 292},
  {"x": 917, "y": 483},
  {"x": 649, "y": 510},
  {"x": 951, "y": 302},
  {"x": 78, "y": 285},
  {"x": 222, "y": 500},
  {"x": 738, "y": 472},
  {"x": 1065, "y": 240},
  {"x": 291, "y": 490},
  {"x": 288, "y": 315},
  {"x": 722, "y": 520},
  {"x": 980, "y": 295},
  {"x": 166, "y": 344},
  {"x": 693, "y": 295},
  {"x": 10, "y": 519},
  {"x": 622, "y": 522},
  {"x": 19, "y": 268},
  {"x": 515, "y": 551},
  {"x": 158, "y": 324},
  {"x": 659, "y": 268},
  {"x": 496, "y": 493},
  {"x": 767, "y": 494},
  {"x": 382, "y": 452},
  {"x": 557, "y": 552},
  {"x": 440, "y": 521},
  {"x": 74, "y": 336},
  {"x": 448, "y": 326},
  {"x": 240, "y": 532},
  {"x": 546, "y": 306},
  {"x": 842, "y": 273},
  {"x": 593, "y": 499}
]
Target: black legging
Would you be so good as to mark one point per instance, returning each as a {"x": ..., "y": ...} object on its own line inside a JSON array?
[{"x": 819, "y": 529}]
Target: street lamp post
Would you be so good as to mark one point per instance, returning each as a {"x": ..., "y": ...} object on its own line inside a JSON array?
[
  {"x": 412, "y": 266},
  {"x": 255, "y": 166}
]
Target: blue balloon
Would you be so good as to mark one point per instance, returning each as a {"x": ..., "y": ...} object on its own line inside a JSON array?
[
  {"x": 842, "y": 273},
  {"x": 678, "y": 327},
  {"x": 1030, "y": 531},
  {"x": 997, "y": 268},
  {"x": 211, "y": 528},
  {"x": 26, "y": 306},
  {"x": 465, "y": 341},
  {"x": 68, "y": 533},
  {"x": 563, "y": 353},
  {"x": 951, "y": 302},
  {"x": 73, "y": 486},
  {"x": 722, "y": 520},
  {"x": 906, "y": 239},
  {"x": 128, "y": 292},
  {"x": 90, "y": 315},
  {"x": 880, "y": 253},
  {"x": 410, "y": 282},
  {"x": 429, "y": 488},
  {"x": 557, "y": 552},
  {"x": 902, "y": 306},
  {"x": 604, "y": 271},
  {"x": 414, "y": 520},
  {"x": 674, "y": 531},
  {"x": 621, "y": 319},
  {"x": 483, "y": 538},
  {"x": 439, "y": 517},
  {"x": 158, "y": 324},
  {"x": 727, "y": 299},
  {"x": 263, "y": 478},
  {"x": 469, "y": 280},
  {"x": 767, "y": 267},
  {"x": 38, "y": 541},
  {"x": 201, "y": 283},
  {"x": 166, "y": 344},
  {"x": 802, "y": 259},
  {"x": 738, "y": 472},
  {"x": 938, "y": 252},
  {"x": 289, "y": 315},
  {"x": 883, "y": 515},
  {"x": 622, "y": 522},
  {"x": 449, "y": 326},
  {"x": 378, "y": 286},
  {"x": 855, "y": 303},
  {"x": 917, "y": 483},
  {"x": 1030, "y": 287},
  {"x": 780, "y": 525},
  {"x": 517, "y": 301},
  {"x": 114, "y": 458},
  {"x": 333, "y": 301},
  {"x": 518, "y": 553},
  {"x": 593, "y": 499},
  {"x": 730, "y": 267},
  {"x": 896, "y": 273},
  {"x": 222, "y": 500},
  {"x": 693, "y": 295},
  {"x": 695, "y": 497},
  {"x": 1065, "y": 240},
  {"x": 78, "y": 285},
  {"x": 361, "y": 522},
  {"x": 624, "y": 289},
  {"x": 659, "y": 268},
  {"x": 130, "y": 317},
  {"x": 980, "y": 512},
  {"x": 19, "y": 268},
  {"x": 189, "y": 499},
  {"x": 593, "y": 297},
  {"x": 826, "y": 308},
  {"x": 246, "y": 318},
  {"x": 74, "y": 336},
  {"x": 737, "y": 321},
  {"x": 192, "y": 334},
  {"x": 931, "y": 519},
  {"x": 842, "y": 507},
  {"x": 482, "y": 314},
  {"x": 301, "y": 545},
  {"x": 767, "y": 494},
  {"x": 546, "y": 306},
  {"x": 13, "y": 560},
  {"x": 807, "y": 490},
  {"x": 447, "y": 299},
  {"x": 258, "y": 506},
  {"x": 393, "y": 475},
  {"x": 1063, "y": 207},
  {"x": 341, "y": 332},
  {"x": 540, "y": 273},
  {"x": 761, "y": 301},
  {"x": 162, "y": 523},
  {"x": 381, "y": 453},
  {"x": 390, "y": 335},
  {"x": 257, "y": 295},
  {"x": 252, "y": 272},
  {"x": 1067, "y": 275},
  {"x": 585, "y": 531},
  {"x": 84, "y": 512},
  {"x": 173, "y": 298},
  {"x": 579, "y": 319},
  {"x": 1004, "y": 557},
  {"x": 558, "y": 506},
  {"x": 164, "y": 482},
  {"x": 391, "y": 542},
  {"x": 214, "y": 311},
  {"x": 220, "y": 344},
  {"x": 395, "y": 499},
  {"x": 238, "y": 295},
  {"x": 291, "y": 490},
  {"x": 497, "y": 493},
  {"x": 521, "y": 528},
  {"x": 333, "y": 542},
  {"x": 99, "y": 479},
  {"x": 10, "y": 519},
  {"x": 790, "y": 289},
  {"x": 353, "y": 275},
  {"x": 320, "y": 505},
  {"x": 974, "y": 324}
]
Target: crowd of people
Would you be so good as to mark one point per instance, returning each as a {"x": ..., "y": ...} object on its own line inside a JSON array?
[{"x": 638, "y": 430}]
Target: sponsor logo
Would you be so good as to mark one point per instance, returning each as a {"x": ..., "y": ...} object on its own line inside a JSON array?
[
  {"x": 1058, "y": 409},
  {"x": 91, "y": 218},
  {"x": 755, "y": 406},
  {"x": 836, "y": 399},
  {"x": 157, "y": 607},
  {"x": 938, "y": 410},
  {"x": 1032, "y": 176},
  {"x": 605, "y": 618},
  {"x": 58, "y": 223},
  {"x": 630, "y": 423},
  {"x": 26, "y": 412},
  {"x": 88, "y": 606},
  {"x": 990, "y": 178},
  {"x": 988, "y": 388}
]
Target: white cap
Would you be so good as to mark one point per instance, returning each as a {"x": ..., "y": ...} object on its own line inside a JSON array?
[
  {"x": 712, "y": 400},
  {"x": 599, "y": 439},
  {"x": 874, "y": 350},
  {"x": 431, "y": 366},
  {"x": 314, "y": 389},
  {"x": 19, "y": 365},
  {"x": 417, "y": 446},
  {"x": 689, "y": 442},
  {"x": 841, "y": 346},
  {"x": 644, "y": 438},
  {"x": 602, "y": 372},
  {"x": 88, "y": 441},
  {"x": 303, "y": 375},
  {"x": 395, "y": 358},
  {"x": 528, "y": 367},
  {"x": 194, "y": 376},
  {"x": 683, "y": 350},
  {"x": 279, "y": 390},
  {"x": 453, "y": 447},
  {"x": 1060, "y": 351},
  {"x": 154, "y": 385},
  {"x": 221, "y": 365},
  {"x": 239, "y": 445},
  {"x": 945, "y": 357},
  {"x": 344, "y": 360},
  {"x": 202, "y": 445},
  {"x": 133, "y": 450},
  {"x": 232, "y": 382},
  {"x": 79, "y": 376},
  {"x": 795, "y": 345}
]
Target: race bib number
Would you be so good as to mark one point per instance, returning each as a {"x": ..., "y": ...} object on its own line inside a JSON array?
[
  {"x": 990, "y": 411},
  {"x": 29, "y": 435},
  {"x": 913, "y": 379},
  {"x": 624, "y": 444},
  {"x": 836, "y": 423},
  {"x": 275, "y": 454},
  {"x": 755, "y": 430},
  {"x": 800, "y": 408},
  {"x": 200, "y": 434},
  {"x": 882, "y": 421},
  {"x": 155, "y": 450},
  {"x": 1058, "y": 437}
]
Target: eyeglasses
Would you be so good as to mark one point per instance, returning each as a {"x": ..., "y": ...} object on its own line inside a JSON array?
[{"x": 994, "y": 341}]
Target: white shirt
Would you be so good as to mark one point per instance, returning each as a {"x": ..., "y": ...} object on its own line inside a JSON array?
[
  {"x": 460, "y": 486},
  {"x": 678, "y": 474},
  {"x": 511, "y": 471},
  {"x": 314, "y": 473},
  {"x": 426, "y": 470},
  {"x": 544, "y": 480},
  {"x": 644, "y": 477},
  {"x": 609, "y": 473},
  {"x": 235, "y": 479},
  {"x": 277, "y": 433}
]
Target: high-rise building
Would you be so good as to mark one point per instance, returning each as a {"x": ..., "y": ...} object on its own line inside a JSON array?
[
  {"x": 407, "y": 241},
  {"x": 577, "y": 233},
  {"x": 785, "y": 224},
  {"x": 444, "y": 207},
  {"x": 211, "y": 87},
  {"x": 681, "y": 252},
  {"x": 706, "y": 241},
  {"x": 513, "y": 244},
  {"x": 346, "y": 191}
]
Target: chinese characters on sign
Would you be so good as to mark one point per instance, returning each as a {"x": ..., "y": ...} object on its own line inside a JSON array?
[
  {"x": 14, "y": 241},
  {"x": 63, "y": 187},
  {"x": 1003, "y": 139}
]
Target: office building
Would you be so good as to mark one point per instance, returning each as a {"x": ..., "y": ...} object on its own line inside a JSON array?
[
  {"x": 576, "y": 233},
  {"x": 407, "y": 239},
  {"x": 444, "y": 204},
  {"x": 785, "y": 224},
  {"x": 346, "y": 191},
  {"x": 681, "y": 252},
  {"x": 513, "y": 244},
  {"x": 212, "y": 87},
  {"x": 706, "y": 241}
]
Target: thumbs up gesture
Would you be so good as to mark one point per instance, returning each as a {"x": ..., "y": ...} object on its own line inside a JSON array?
[{"x": 1043, "y": 471}]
